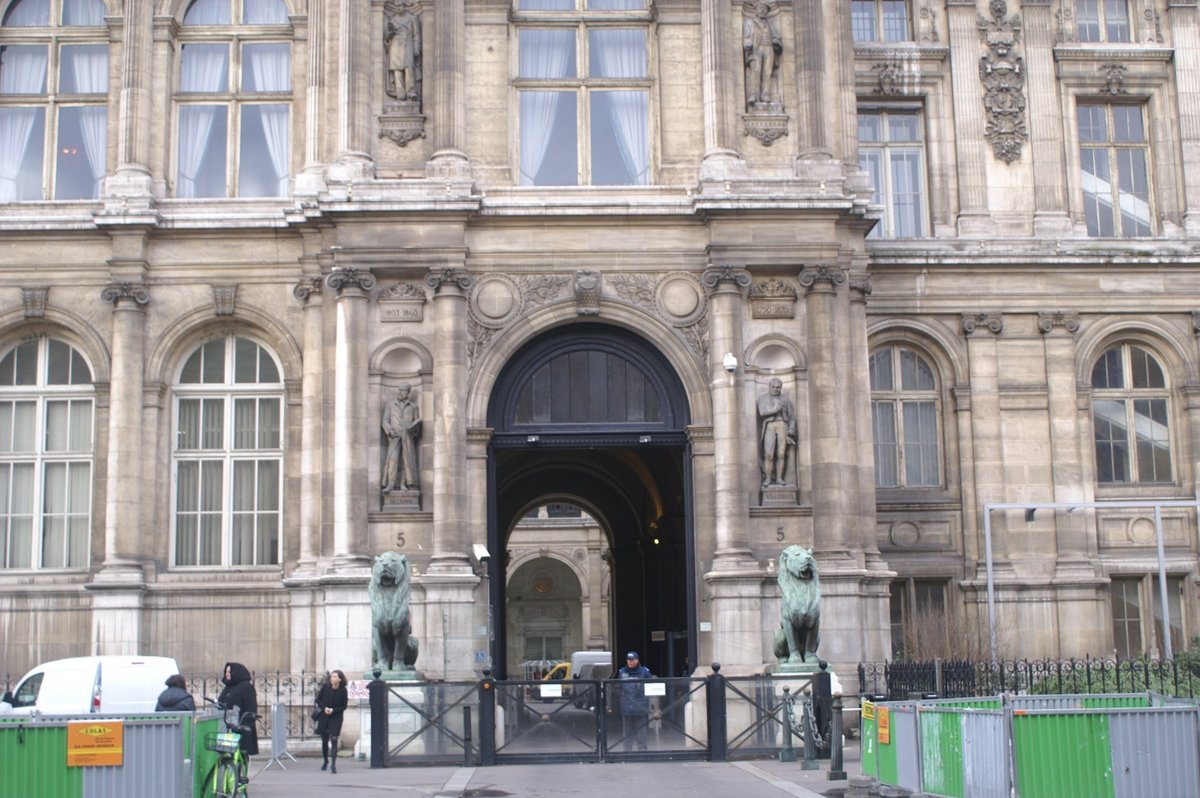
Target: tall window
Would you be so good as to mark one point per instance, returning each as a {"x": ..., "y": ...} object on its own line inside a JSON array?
[
  {"x": 1102, "y": 20},
  {"x": 917, "y": 609},
  {"x": 1135, "y": 631},
  {"x": 583, "y": 88},
  {"x": 1113, "y": 155},
  {"x": 46, "y": 410},
  {"x": 891, "y": 148},
  {"x": 228, "y": 455},
  {"x": 1130, "y": 414},
  {"x": 53, "y": 100},
  {"x": 879, "y": 20},
  {"x": 904, "y": 412},
  {"x": 234, "y": 98}
]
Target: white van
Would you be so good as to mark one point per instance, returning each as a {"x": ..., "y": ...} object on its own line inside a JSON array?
[
  {"x": 110, "y": 685},
  {"x": 582, "y": 665}
]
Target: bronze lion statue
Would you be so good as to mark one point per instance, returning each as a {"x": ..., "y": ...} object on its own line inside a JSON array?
[
  {"x": 799, "y": 628},
  {"x": 392, "y": 643}
]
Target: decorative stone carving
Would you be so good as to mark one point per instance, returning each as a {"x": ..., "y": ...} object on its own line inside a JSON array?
[
  {"x": 1153, "y": 26},
  {"x": 1114, "y": 76},
  {"x": 1065, "y": 31},
  {"x": 393, "y": 646},
  {"x": 402, "y": 302},
  {"x": 1002, "y": 72},
  {"x": 35, "y": 302},
  {"x": 306, "y": 288},
  {"x": 401, "y": 120},
  {"x": 772, "y": 299},
  {"x": 799, "y": 631},
  {"x": 587, "y": 292},
  {"x": 636, "y": 288},
  {"x": 767, "y": 128},
  {"x": 679, "y": 299},
  {"x": 401, "y": 423},
  {"x": 495, "y": 300},
  {"x": 890, "y": 75},
  {"x": 777, "y": 435},
  {"x": 542, "y": 289},
  {"x": 136, "y": 292},
  {"x": 1068, "y": 321},
  {"x": 931, "y": 34},
  {"x": 992, "y": 322},
  {"x": 441, "y": 277},
  {"x": 824, "y": 275},
  {"x": 860, "y": 289},
  {"x": 762, "y": 47},
  {"x": 341, "y": 278},
  {"x": 716, "y": 276},
  {"x": 1196, "y": 321},
  {"x": 643, "y": 290},
  {"x": 225, "y": 299}
]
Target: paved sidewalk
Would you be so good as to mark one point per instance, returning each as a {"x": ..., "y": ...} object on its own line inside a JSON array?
[{"x": 765, "y": 778}]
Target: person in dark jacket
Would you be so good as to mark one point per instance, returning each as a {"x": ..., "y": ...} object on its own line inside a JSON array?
[
  {"x": 175, "y": 698},
  {"x": 332, "y": 699},
  {"x": 239, "y": 692},
  {"x": 635, "y": 706}
]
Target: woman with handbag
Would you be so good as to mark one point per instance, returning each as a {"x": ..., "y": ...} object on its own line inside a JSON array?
[{"x": 332, "y": 699}]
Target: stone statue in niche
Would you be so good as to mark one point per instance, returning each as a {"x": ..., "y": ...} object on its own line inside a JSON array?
[
  {"x": 777, "y": 434},
  {"x": 402, "y": 425},
  {"x": 402, "y": 39},
  {"x": 762, "y": 47}
]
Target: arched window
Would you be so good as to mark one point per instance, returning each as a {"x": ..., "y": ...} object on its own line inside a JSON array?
[
  {"x": 1131, "y": 417},
  {"x": 228, "y": 455},
  {"x": 46, "y": 424},
  {"x": 234, "y": 95},
  {"x": 53, "y": 100},
  {"x": 904, "y": 412}
]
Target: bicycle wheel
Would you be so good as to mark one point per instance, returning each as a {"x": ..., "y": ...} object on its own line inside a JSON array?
[{"x": 226, "y": 783}]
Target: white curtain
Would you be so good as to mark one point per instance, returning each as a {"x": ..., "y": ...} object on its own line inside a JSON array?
[
  {"x": 16, "y": 127},
  {"x": 275, "y": 131},
  {"x": 621, "y": 53},
  {"x": 207, "y": 12},
  {"x": 270, "y": 68},
  {"x": 205, "y": 68},
  {"x": 28, "y": 14},
  {"x": 89, "y": 68},
  {"x": 543, "y": 54},
  {"x": 264, "y": 12},
  {"x": 83, "y": 13},
  {"x": 24, "y": 70},
  {"x": 615, "y": 5},
  {"x": 195, "y": 127}
]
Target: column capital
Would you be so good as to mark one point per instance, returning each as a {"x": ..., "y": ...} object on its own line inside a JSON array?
[
  {"x": 860, "y": 289},
  {"x": 340, "y": 279},
  {"x": 725, "y": 277},
  {"x": 1068, "y": 321},
  {"x": 444, "y": 277},
  {"x": 117, "y": 292},
  {"x": 307, "y": 288},
  {"x": 823, "y": 279},
  {"x": 992, "y": 322}
]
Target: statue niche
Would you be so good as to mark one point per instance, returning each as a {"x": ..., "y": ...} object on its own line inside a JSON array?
[
  {"x": 762, "y": 52},
  {"x": 402, "y": 121},
  {"x": 798, "y": 635},
  {"x": 778, "y": 434}
]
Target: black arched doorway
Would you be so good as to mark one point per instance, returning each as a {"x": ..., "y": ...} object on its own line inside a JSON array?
[{"x": 596, "y": 412}]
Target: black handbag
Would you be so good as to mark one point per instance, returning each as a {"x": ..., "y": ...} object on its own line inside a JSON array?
[{"x": 316, "y": 714}]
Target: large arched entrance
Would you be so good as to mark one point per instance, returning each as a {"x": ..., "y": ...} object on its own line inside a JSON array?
[{"x": 595, "y": 415}]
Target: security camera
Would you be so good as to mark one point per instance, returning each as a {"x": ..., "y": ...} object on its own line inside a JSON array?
[
  {"x": 481, "y": 553},
  {"x": 730, "y": 362}
]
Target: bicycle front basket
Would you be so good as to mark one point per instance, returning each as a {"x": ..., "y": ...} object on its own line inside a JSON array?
[{"x": 222, "y": 742}]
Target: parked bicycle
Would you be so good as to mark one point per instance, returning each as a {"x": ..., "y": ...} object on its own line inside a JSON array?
[{"x": 231, "y": 774}]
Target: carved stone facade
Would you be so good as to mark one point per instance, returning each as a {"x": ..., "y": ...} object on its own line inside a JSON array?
[{"x": 572, "y": 341}]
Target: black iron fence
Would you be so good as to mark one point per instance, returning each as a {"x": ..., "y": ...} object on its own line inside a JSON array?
[{"x": 965, "y": 678}]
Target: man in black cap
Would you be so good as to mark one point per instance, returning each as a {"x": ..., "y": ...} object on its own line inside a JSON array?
[{"x": 635, "y": 706}]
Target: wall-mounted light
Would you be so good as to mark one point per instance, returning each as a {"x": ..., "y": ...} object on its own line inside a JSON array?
[
  {"x": 532, "y": 439},
  {"x": 644, "y": 439}
]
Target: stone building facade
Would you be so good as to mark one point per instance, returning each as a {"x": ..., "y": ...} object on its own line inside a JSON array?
[{"x": 588, "y": 235}]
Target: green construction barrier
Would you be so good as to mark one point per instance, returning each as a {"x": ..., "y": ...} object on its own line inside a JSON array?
[
  {"x": 34, "y": 761},
  {"x": 870, "y": 742},
  {"x": 1057, "y": 755},
  {"x": 203, "y": 760},
  {"x": 942, "y": 752}
]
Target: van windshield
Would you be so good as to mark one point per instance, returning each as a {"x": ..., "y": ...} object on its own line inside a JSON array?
[{"x": 27, "y": 693}]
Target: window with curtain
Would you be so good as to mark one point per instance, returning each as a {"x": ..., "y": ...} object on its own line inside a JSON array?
[
  {"x": 1103, "y": 20},
  {"x": 228, "y": 455},
  {"x": 879, "y": 21},
  {"x": 904, "y": 414},
  {"x": 1131, "y": 417},
  {"x": 1138, "y": 629},
  {"x": 1114, "y": 173},
  {"x": 46, "y": 439},
  {"x": 53, "y": 100},
  {"x": 234, "y": 100},
  {"x": 891, "y": 147},
  {"x": 583, "y": 89}
]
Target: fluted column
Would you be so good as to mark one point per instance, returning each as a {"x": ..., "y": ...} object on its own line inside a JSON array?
[
  {"x": 717, "y": 66},
  {"x": 448, "y": 79},
  {"x": 450, "y": 535},
  {"x": 311, "y": 180},
  {"x": 811, "y": 64},
  {"x": 1184, "y": 17},
  {"x": 973, "y": 150},
  {"x": 350, "y": 424},
  {"x": 1045, "y": 121},
  {"x": 353, "y": 100},
  {"x": 311, "y": 438},
  {"x": 132, "y": 174},
  {"x": 727, "y": 287}
]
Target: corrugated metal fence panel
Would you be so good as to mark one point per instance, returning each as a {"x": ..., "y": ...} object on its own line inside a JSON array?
[
  {"x": 152, "y": 763},
  {"x": 985, "y": 755},
  {"x": 887, "y": 759},
  {"x": 869, "y": 747},
  {"x": 1154, "y": 752},
  {"x": 33, "y": 761},
  {"x": 203, "y": 760},
  {"x": 1048, "y": 702},
  {"x": 1062, "y": 755},
  {"x": 941, "y": 753},
  {"x": 905, "y": 740}
]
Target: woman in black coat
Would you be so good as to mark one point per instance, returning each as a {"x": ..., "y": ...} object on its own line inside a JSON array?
[
  {"x": 332, "y": 699},
  {"x": 239, "y": 692}
]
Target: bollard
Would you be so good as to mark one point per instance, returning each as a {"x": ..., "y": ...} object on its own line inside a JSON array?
[
  {"x": 468, "y": 757},
  {"x": 487, "y": 719},
  {"x": 810, "y": 743},
  {"x": 718, "y": 746},
  {"x": 836, "y": 771},
  {"x": 377, "y": 691},
  {"x": 788, "y": 753}
]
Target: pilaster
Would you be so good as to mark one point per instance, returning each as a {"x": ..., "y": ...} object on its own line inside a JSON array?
[
  {"x": 982, "y": 331},
  {"x": 1045, "y": 122},
  {"x": 717, "y": 67},
  {"x": 312, "y": 440},
  {"x": 1184, "y": 19},
  {"x": 972, "y": 149},
  {"x": 353, "y": 97},
  {"x": 131, "y": 177},
  {"x": 859, "y": 404},
  {"x": 449, "y": 89}
]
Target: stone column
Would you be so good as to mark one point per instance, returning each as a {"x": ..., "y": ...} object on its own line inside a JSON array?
[
  {"x": 353, "y": 98},
  {"x": 829, "y": 423},
  {"x": 811, "y": 76},
  {"x": 982, "y": 331},
  {"x": 718, "y": 66},
  {"x": 973, "y": 151},
  {"x": 1184, "y": 19},
  {"x": 1045, "y": 122},
  {"x": 446, "y": 71},
  {"x": 311, "y": 437},
  {"x": 132, "y": 174},
  {"x": 350, "y": 423},
  {"x": 311, "y": 180},
  {"x": 860, "y": 401}
]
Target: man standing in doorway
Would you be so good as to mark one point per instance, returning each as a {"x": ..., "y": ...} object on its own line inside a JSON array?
[{"x": 635, "y": 706}]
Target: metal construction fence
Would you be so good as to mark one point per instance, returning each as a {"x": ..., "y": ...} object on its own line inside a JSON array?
[
  {"x": 898, "y": 681},
  {"x": 1140, "y": 745}
]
